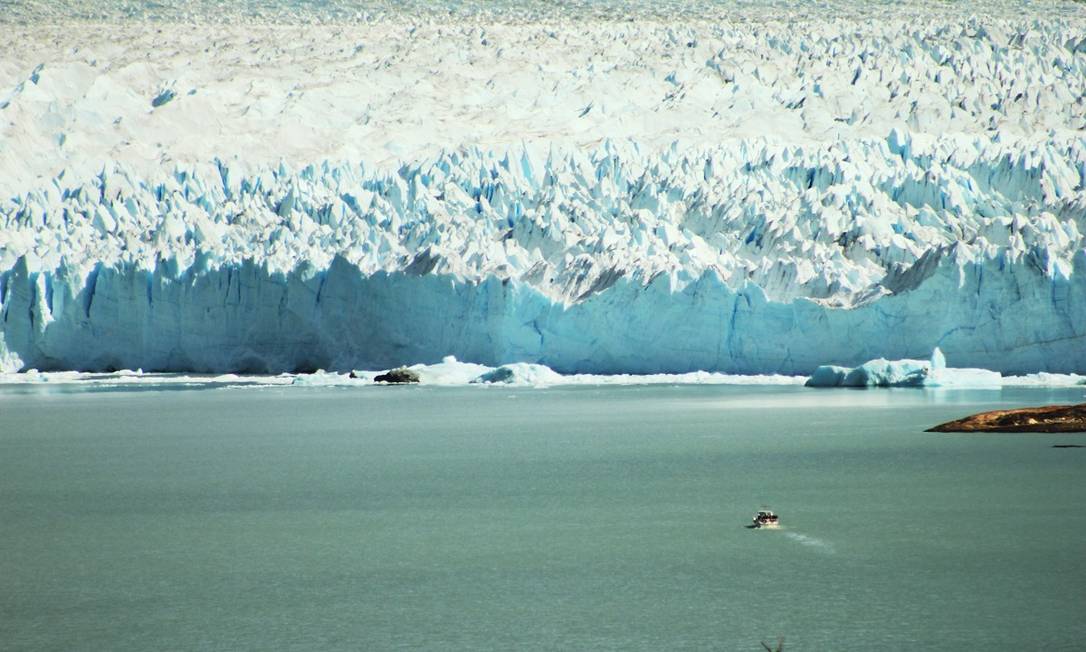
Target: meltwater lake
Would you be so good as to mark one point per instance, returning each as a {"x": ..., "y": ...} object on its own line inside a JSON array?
[{"x": 563, "y": 518}]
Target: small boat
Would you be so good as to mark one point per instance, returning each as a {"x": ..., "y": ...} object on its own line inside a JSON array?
[{"x": 765, "y": 519}]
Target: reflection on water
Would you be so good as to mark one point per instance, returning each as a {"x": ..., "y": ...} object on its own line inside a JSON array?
[{"x": 789, "y": 397}]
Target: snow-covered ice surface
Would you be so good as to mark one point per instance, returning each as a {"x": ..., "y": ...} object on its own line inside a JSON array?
[{"x": 595, "y": 187}]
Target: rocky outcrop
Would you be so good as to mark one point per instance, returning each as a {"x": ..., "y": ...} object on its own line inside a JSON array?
[
  {"x": 1048, "y": 418},
  {"x": 401, "y": 376}
]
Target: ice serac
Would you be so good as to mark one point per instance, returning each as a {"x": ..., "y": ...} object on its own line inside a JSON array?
[
  {"x": 619, "y": 261},
  {"x": 842, "y": 192}
]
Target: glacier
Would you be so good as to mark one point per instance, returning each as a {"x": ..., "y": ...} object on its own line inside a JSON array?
[{"x": 726, "y": 193}]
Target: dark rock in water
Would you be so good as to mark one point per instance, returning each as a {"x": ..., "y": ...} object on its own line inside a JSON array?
[
  {"x": 1068, "y": 446},
  {"x": 353, "y": 376},
  {"x": 1047, "y": 418},
  {"x": 398, "y": 376}
]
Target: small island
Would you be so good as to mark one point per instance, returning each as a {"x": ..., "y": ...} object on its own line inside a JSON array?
[{"x": 1047, "y": 418}]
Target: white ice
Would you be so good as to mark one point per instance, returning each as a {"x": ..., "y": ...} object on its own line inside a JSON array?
[
  {"x": 904, "y": 373},
  {"x": 746, "y": 190},
  {"x": 451, "y": 372}
]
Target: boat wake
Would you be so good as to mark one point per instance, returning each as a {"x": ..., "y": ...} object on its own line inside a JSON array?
[{"x": 813, "y": 542}]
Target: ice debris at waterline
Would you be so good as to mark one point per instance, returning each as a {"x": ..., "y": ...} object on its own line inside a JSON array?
[
  {"x": 453, "y": 372},
  {"x": 824, "y": 188},
  {"x": 450, "y": 372},
  {"x": 904, "y": 373}
]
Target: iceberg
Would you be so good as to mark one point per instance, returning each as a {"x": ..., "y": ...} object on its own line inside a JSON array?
[
  {"x": 449, "y": 371},
  {"x": 904, "y": 373},
  {"x": 520, "y": 374}
]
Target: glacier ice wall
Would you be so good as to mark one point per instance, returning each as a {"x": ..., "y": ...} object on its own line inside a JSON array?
[
  {"x": 243, "y": 318},
  {"x": 752, "y": 195},
  {"x": 771, "y": 260}
]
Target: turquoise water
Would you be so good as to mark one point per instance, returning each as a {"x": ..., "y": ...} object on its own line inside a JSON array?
[{"x": 580, "y": 518}]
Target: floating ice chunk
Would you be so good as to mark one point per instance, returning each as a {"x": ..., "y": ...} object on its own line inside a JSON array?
[
  {"x": 319, "y": 378},
  {"x": 521, "y": 373},
  {"x": 449, "y": 371},
  {"x": 828, "y": 375},
  {"x": 1044, "y": 379},
  {"x": 904, "y": 373},
  {"x": 964, "y": 378},
  {"x": 889, "y": 373}
]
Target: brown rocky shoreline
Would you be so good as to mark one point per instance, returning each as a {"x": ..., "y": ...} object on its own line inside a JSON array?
[{"x": 1046, "y": 418}]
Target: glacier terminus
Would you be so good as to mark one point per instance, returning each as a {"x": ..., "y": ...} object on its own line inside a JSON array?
[{"x": 732, "y": 192}]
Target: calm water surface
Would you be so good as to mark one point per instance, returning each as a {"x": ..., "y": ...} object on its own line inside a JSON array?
[{"x": 579, "y": 518}]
